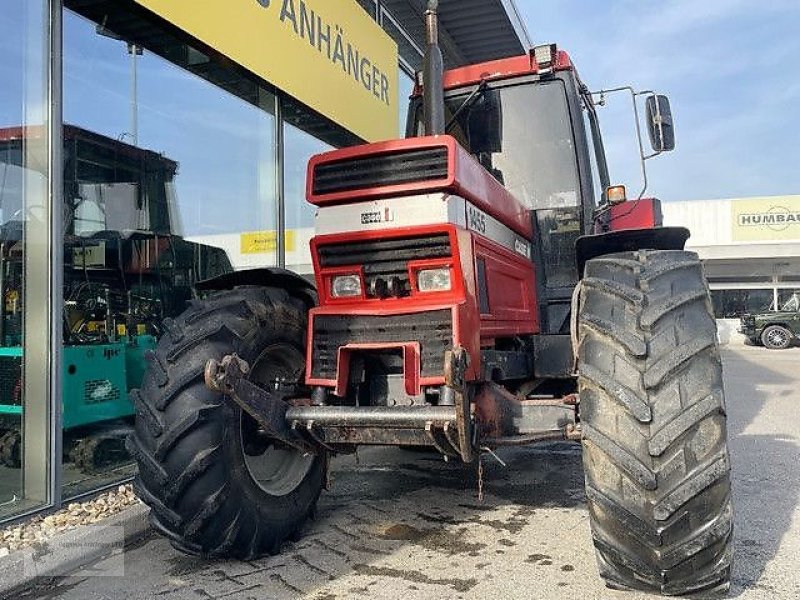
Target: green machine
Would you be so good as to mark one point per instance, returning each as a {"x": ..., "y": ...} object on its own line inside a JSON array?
[{"x": 125, "y": 271}]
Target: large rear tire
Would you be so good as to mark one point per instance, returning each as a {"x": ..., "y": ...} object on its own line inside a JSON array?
[
  {"x": 654, "y": 425},
  {"x": 215, "y": 486}
]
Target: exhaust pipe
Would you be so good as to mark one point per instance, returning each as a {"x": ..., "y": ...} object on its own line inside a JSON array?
[{"x": 433, "y": 74}]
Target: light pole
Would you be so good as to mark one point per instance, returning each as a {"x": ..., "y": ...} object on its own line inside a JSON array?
[{"x": 135, "y": 51}]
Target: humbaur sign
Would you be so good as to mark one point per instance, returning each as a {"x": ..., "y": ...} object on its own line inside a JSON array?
[
  {"x": 766, "y": 219},
  {"x": 329, "y": 54}
]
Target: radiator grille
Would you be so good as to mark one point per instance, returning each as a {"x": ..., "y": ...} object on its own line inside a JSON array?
[
  {"x": 408, "y": 166},
  {"x": 432, "y": 329},
  {"x": 385, "y": 258}
]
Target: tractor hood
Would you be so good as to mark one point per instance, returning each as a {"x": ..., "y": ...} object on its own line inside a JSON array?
[{"x": 410, "y": 167}]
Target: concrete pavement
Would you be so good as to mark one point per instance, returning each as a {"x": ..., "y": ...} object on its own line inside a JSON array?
[{"x": 407, "y": 525}]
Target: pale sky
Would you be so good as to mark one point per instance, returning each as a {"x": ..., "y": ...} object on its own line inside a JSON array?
[{"x": 731, "y": 69}]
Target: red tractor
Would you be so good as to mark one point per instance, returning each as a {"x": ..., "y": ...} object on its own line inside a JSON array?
[{"x": 479, "y": 284}]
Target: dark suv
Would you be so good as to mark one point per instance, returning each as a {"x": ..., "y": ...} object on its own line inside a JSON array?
[{"x": 774, "y": 329}]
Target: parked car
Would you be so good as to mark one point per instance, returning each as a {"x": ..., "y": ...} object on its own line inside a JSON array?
[{"x": 775, "y": 330}]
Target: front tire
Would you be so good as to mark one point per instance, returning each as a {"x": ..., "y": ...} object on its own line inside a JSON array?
[
  {"x": 776, "y": 337},
  {"x": 215, "y": 486},
  {"x": 654, "y": 424}
]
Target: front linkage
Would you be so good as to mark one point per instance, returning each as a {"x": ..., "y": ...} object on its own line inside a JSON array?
[{"x": 476, "y": 416}]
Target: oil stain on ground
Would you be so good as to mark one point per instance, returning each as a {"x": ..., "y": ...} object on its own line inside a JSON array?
[
  {"x": 539, "y": 559},
  {"x": 439, "y": 540},
  {"x": 458, "y": 585}
]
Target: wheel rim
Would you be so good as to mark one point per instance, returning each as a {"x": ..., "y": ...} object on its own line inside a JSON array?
[
  {"x": 777, "y": 337},
  {"x": 278, "y": 470}
]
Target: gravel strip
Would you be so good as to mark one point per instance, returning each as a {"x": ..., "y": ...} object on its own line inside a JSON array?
[{"x": 40, "y": 529}]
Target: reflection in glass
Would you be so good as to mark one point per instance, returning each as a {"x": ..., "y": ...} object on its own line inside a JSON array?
[
  {"x": 15, "y": 180},
  {"x": 789, "y": 300},
  {"x": 143, "y": 223},
  {"x": 299, "y": 148},
  {"x": 124, "y": 272},
  {"x": 196, "y": 195},
  {"x": 406, "y": 89},
  {"x": 24, "y": 255}
]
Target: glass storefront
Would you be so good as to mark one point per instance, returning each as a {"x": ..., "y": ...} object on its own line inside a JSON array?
[
  {"x": 406, "y": 89},
  {"x": 155, "y": 157},
  {"x": 170, "y": 179},
  {"x": 26, "y": 443},
  {"x": 789, "y": 299},
  {"x": 299, "y": 148},
  {"x": 172, "y": 166}
]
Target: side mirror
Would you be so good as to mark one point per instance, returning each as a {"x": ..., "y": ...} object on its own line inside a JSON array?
[{"x": 659, "y": 123}]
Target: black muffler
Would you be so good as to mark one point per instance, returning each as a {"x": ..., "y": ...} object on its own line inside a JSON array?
[{"x": 433, "y": 74}]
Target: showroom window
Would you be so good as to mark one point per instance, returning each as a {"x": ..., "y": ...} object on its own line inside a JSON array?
[
  {"x": 167, "y": 182},
  {"x": 406, "y": 89},
  {"x": 177, "y": 169},
  {"x": 26, "y": 443},
  {"x": 299, "y": 148}
]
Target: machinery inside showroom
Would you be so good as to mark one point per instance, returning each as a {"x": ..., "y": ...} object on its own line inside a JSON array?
[{"x": 125, "y": 271}]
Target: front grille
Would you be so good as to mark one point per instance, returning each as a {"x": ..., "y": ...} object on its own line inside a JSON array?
[
  {"x": 385, "y": 258},
  {"x": 11, "y": 380},
  {"x": 432, "y": 329},
  {"x": 396, "y": 168}
]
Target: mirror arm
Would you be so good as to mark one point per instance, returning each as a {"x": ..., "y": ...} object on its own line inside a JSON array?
[
  {"x": 653, "y": 155},
  {"x": 642, "y": 156},
  {"x": 641, "y": 144}
]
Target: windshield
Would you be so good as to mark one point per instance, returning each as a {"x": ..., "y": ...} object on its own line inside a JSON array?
[
  {"x": 792, "y": 304},
  {"x": 522, "y": 135},
  {"x": 107, "y": 186}
]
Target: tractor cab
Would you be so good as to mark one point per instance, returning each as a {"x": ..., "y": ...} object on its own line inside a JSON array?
[
  {"x": 532, "y": 124},
  {"x": 499, "y": 193}
]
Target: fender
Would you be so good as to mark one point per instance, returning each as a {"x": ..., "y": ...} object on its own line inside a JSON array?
[
  {"x": 296, "y": 285},
  {"x": 626, "y": 240}
]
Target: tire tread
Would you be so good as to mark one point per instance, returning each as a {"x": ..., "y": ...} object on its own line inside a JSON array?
[
  {"x": 655, "y": 452},
  {"x": 183, "y": 476}
]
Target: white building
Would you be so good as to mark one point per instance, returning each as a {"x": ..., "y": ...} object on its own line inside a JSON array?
[{"x": 750, "y": 248}]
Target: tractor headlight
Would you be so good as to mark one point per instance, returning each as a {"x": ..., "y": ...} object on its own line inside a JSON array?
[
  {"x": 346, "y": 286},
  {"x": 433, "y": 280}
]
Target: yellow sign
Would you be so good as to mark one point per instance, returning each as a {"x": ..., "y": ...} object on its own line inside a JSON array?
[
  {"x": 329, "y": 54},
  {"x": 265, "y": 242},
  {"x": 766, "y": 219}
]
